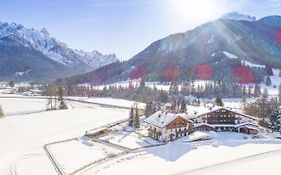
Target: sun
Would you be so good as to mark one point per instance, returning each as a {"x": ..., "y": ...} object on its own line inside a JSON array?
[{"x": 196, "y": 10}]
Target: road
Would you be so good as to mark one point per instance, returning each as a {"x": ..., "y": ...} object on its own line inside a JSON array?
[{"x": 67, "y": 99}]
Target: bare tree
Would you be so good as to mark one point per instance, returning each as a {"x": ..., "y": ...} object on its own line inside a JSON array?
[
  {"x": 1, "y": 112},
  {"x": 52, "y": 100}
]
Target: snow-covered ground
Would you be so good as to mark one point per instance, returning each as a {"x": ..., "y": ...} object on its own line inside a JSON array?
[
  {"x": 74, "y": 154},
  {"x": 158, "y": 85},
  {"x": 110, "y": 101},
  {"x": 227, "y": 151},
  {"x": 12, "y": 106},
  {"x": 130, "y": 140},
  {"x": 247, "y": 63},
  {"x": 276, "y": 81},
  {"x": 23, "y": 136}
]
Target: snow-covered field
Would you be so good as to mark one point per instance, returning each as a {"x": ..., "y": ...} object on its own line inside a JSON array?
[
  {"x": 158, "y": 85},
  {"x": 13, "y": 106},
  {"x": 129, "y": 139},
  {"x": 76, "y": 153},
  {"x": 23, "y": 136},
  {"x": 228, "y": 152}
]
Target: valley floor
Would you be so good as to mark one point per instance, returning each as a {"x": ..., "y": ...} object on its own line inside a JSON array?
[
  {"x": 22, "y": 136},
  {"x": 26, "y": 129}
]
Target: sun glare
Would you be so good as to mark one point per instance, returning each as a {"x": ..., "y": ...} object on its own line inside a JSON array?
[{"x": 196, "y": 10}]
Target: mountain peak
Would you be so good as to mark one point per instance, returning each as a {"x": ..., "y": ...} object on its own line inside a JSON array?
[
  {"x": 271, "y": 20},
  {"x": 39, "y": 45},
  {"x": 44, "y": 31},
  {"x": 238, "y": 17}
]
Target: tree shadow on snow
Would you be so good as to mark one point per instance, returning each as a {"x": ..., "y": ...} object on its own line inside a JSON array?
[{"x": 172, "y": 151}]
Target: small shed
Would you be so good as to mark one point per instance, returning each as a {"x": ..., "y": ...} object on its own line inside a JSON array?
[{"x": 97, "y": 133}]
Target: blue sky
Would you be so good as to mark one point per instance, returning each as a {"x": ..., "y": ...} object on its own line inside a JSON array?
[{"x": 124, "y": 27}]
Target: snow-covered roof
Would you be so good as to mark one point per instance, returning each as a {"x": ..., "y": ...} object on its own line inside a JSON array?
[
  {"x": 168, "y": 104},
  {"x": 224, "y": 125},
  {"x": 207, "y": 110},
  {"x": 93, "y": 131},
  {"x": 246, "y": 123},
  {"x": 204, "y": 112},
  {"x": 162, "y": 119},
  {"x": 198, "y": 111},
  {"x": 251, "y": 127},
  {"x": 203, "y": 124}
]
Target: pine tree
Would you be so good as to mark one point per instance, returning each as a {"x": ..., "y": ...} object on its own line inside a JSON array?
[
  {"x": 244, "y": 91},
  {"x": 1, "y": 112},
  {"x": 148, "y": 109},
  {"x": 279, "y": 94},
  {"x": 183, "y": 107},
  {"x": 257, "y": 90},
  {"x": 275, "y": 120},
  {"x": 268, "y": 70},
  {"x": 62, "y": 104},
  {"x": 249, "y": 91},
  {"x": 11, "y": 84},
  {"x": 146, "y": 112},
  {"x": 131, "y": 117},
  {"x": 198, "y": 102},
  {"x": 136, "y": 118},
  {"x": 268, "y": 81},
  {"x": 265, "y": 94},
  {"x": 142, "y": 85},
  {"x": 218, "y": 101}
]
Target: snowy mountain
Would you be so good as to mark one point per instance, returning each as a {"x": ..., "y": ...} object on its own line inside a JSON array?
[
  {"x": 26, "y": 46},
  {"x": 95, "y": 59},
  {"x": 238, "y": 17},
  {"x": 216, "y": 50}
]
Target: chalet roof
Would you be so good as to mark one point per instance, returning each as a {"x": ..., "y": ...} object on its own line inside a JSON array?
[
  {"x": 92, "y": 131},
  {"x": 203, "y": 124},
  {"x": 168, "y": 104},
  {"x": 162, "y": 119},
  {"x": 246, "y": 124},
  {"x": 204, "y": 112},
  {"x": 251, "y": 127},
  {"x": 199, "y": 111}
]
